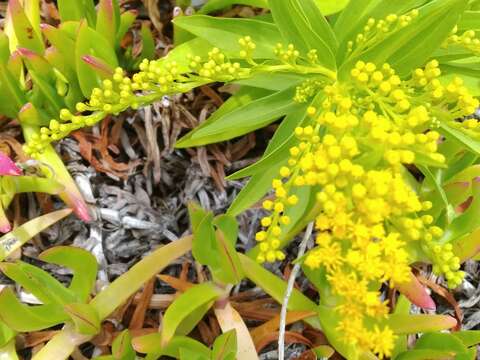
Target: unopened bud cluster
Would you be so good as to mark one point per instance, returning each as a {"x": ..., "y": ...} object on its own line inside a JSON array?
[
  {"x": 376, "y": 30},
  {"x": 154, "y": 80}
]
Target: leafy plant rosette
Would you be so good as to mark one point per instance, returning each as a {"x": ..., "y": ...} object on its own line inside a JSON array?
[
  {"x": 44, "y": 69},
  {"x": 377, "y": 145}
]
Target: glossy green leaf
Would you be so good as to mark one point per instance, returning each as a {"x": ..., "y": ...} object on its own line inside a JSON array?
[
  {"x": 20, "y": 235},
  {"x": 12, "y": 97},
  {"x": 25, "y": 32},
  {"x": 122, "y": 348},
  {"x": 470, "y": 21},
  {"x": 411, "y": 324},
  {"x": 126, "y": 21},
  {"x": 24, "y": 184},
  {"x": 466, "y": 222},
  {"x": 225, "y": 346},
  {"x": 204, "y": 241},
  {"x": 150, "y": 344},
  {"x": 187, "y": 354},
  {"x": 24, "y": 318},
  {"x": 99, "y": 67},
  {"x": 468, "y": 337},
  {"x": 274, "y": 286},
  {"x": 37, "y": 281},
  {"x": 81, "y": 262},
  {"x": 90, "y": 42},
  {"x": 323, "y": 351},
  {"x": 4, "y": 48},
  {"x": 106, "y": 21},
  {"x": 461, "y": 138},
  {"x": 302, "y": 24},
  {"x": 224, "y": 33},
  {"x": 440, "y": 341},
  {"x": 412, "y": 45},
  {"x": 195, "y": 297},
  {"x": 425, "y": 355},
  {"x": 148, "y": 43},
  {"x": 6, "y": 335},
  {"x": 126, "y": 285},
  {"x": 236, "y": 102},
  {"x": 84, "y": 317},
  {"x": 245, "y": 119},
  {"x": 214, "y": 5},
  {"x": 53, "y": 101},
  {"x": 71, "y": 10}
]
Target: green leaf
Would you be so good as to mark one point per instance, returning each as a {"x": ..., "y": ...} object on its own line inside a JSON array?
[
  {"x": 440, "y": 342},
  {"x": 470, "y": 21},
  {"x": 411, "y": 324},
  {"x": 25, "y": 32},
  {"x": 187, "y": 354},
  {"x": 302, "y": 24},
  {"x": 460, "y": 137},
  {"x": 71, "y": 10},
  {"x": 122, "y": 348},
  {"x": 355, "y": 16},
  {"x": 239, "y": 100},
  {"x": 274, "y": 286},
  {"x": 467, "y": 222},
  {"x": 106, "y": 21},
  {"x": 245, "y": 119},
  {"x": 126, "y": 285},
  {"x": 195, "y": 297},
  {"x": 150, "y": 344},
  {"x": 6, "y": 335},
  {"x": 126, "y": 21},
  {"x": 204, "y": 247},
  {"x": 4, "y": 48},
  {"x": 148, "y": 43},
  {"x": 90, "y": 42},
  {"x": 81, "y": 262},
  {"x": 214, "y": 5},
  {"x": 425, "y": 355},
  {"x": 37, "y": 281},
  {"x": 24, "y": 318},
  {"x": 412, "y": 45},
  {"x": 468, "y": 337},
  {"x": 12, "y": 97},
  {"x": 224, "y": 33},
  {"x": 84, "y": 317},
  {"x": 230, "y": 269},
  {"x": 225, "y": 346},
  {"x": 20, "y": 235},
  {"x": 8, "y": 351}
]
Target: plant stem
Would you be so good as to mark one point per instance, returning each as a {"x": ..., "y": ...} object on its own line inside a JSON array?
[{"x": 288, "y": 292}]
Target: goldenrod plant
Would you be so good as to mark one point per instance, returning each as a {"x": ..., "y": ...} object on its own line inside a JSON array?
[{"x": 377, "y": 144}]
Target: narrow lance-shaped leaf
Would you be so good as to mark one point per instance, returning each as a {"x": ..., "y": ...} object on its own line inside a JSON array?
[
  {"x": 24, "y": 30},
  {"x": 70, "y": 10},
  {"x": 12, "y": 241},
  {"x": 193, "y": 298},
  {"x": 417, "y": 293},
  {"x": 127, "y": 284},
  {"x": 102, "y": 69},
  {"x": 23, "y": 318},
  {"x": 84, "y": 317},
  {"x": 225, "y": 346},
  {"x": 150, "y": 344},
  {"x": 106, "y": 21},
  {"x": 83, "y": 264},
  {"x": 35, "y": 280}
]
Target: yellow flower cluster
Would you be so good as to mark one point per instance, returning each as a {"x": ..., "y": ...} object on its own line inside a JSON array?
[
  {"x": 376, "y": 30},
  {"x": 354, "y": 149},
  {"x": 154, "y": 80},
  {"x": 467, "y": 40}
]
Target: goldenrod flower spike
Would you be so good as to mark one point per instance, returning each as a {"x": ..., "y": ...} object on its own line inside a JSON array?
[{"x": 354, "y": 147}]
